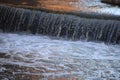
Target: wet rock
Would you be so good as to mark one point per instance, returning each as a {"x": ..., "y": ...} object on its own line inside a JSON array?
[
  {"x": 112, "y": 1},
  {"x": 4, "y": 55}
]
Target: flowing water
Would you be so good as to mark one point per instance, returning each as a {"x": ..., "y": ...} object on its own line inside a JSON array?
[
  {"x": 65, "y": 54},
  {"x": 59, "y": 25},
  {"x": 37, "y": 57}
]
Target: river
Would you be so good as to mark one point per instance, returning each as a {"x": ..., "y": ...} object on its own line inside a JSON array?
[{"x": 38, "y": 57}]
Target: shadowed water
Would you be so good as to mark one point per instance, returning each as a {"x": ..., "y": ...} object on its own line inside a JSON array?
[{"x": 59, "y": 25}]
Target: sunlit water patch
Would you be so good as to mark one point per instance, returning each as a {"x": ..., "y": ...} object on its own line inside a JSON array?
[{"x": 56, "y": 58}]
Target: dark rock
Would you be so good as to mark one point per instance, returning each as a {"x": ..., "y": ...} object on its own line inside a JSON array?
[
  {"x": 4, "y": 55},
  {"x": 112, "y": 1}
]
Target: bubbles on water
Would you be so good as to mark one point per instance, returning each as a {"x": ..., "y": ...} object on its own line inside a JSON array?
[
  {"x": 54, "y": 58},
  {"x": 29, "y": 44}
]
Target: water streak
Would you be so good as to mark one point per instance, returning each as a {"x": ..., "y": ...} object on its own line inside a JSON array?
[{"x": 59, "y": 25}]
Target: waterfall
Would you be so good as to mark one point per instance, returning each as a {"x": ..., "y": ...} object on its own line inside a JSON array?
[{"x": 59, "y": 25}]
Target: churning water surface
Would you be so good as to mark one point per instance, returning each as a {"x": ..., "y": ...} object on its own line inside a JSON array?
[
  {"x": 45, "y": 46},
  {"x": 42, "y": 51}
]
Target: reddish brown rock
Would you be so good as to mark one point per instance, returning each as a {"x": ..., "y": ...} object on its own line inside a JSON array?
[{"x": 55, "y": 5}]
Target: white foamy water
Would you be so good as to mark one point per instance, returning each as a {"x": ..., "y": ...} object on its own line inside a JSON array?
[
  {"x": 110, "y": 11},
  {"x": 64, "y": 57},
  {"x": 98, "y": 6},
  {"x": 45, "y": 46}
]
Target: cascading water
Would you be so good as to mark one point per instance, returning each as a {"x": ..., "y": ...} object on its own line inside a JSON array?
[
  {"x": 59, "y": 25},
  {"x": 37, "y": 57}
]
